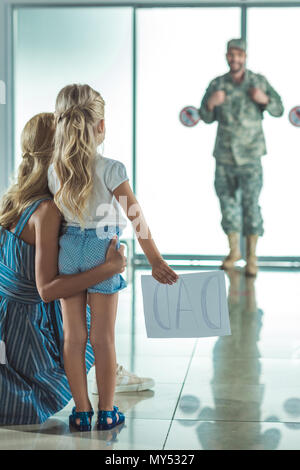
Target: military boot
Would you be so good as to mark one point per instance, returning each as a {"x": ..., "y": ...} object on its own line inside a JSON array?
[
  {"x": 234, "y": 253},
  {"x": 251, "y": 266}
]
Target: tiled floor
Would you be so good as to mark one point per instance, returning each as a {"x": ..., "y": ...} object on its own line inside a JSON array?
[{"x": 236, "y": 392}]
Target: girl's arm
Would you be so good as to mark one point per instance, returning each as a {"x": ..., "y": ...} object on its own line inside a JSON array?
[
  {"x": 51, "y": 286},
  {"x": 161, "y": 271}
]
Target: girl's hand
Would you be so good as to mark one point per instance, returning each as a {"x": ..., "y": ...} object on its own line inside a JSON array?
[
  {"x": 116, "y": 257},
  {"x": 162, "y": 272}
]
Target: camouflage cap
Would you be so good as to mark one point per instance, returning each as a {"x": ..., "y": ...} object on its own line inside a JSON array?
[{"x": 237, "y": 44}]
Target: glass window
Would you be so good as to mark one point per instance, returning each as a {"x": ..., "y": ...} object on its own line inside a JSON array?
[
  {"x": 58, "y": 46},
  {"x": 273, "y": 51},
  {"x": 180, "y": 50}
]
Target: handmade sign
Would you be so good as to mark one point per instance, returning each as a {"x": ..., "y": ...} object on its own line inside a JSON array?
[{"x": 195, "y": 306}]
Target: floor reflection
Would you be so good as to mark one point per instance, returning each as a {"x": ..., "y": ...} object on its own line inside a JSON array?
[
  {"x": 231, "y": 392},
  {"x": 246, "y": 320}
]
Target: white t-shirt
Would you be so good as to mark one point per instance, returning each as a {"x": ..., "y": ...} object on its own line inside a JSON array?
[{"x": 102, "y": 209}]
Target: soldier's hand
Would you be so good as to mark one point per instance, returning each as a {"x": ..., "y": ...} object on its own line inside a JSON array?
[
  {"x": 216, "y": 99},
  {"x": 258, "y": 96}
]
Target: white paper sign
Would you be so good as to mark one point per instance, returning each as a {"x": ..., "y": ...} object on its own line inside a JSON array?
[
  {"x": 2, "y": 353},
  {"x": 195, "y": 306}
]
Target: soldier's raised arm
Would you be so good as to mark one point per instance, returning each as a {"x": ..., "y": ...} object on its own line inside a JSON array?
[
  {"x": 204, "y": 113},
  {"x": 275, "y": 106}
]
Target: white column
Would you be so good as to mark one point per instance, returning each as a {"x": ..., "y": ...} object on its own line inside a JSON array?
[
  {"x": 6, "y": 94},
  {"x": 3, "y": 100}
]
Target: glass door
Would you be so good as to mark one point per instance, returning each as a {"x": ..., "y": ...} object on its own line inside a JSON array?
[
  {"x": 273, "y": 52},
  {"x": 58, "y": 46},
  {"x": 179, "y": 51}
]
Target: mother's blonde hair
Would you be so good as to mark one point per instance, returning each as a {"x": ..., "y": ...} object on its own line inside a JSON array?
[
  {"x": 37, "y": 143},
  {"x": 78, "y": 111}
]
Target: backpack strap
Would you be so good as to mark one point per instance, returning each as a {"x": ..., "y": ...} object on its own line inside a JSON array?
[{"x": 26, "y": 214}]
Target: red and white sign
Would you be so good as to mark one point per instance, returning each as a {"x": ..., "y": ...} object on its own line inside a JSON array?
[
  {"x": 294, "y": 116},
  {"x": 189, "y": 116}
]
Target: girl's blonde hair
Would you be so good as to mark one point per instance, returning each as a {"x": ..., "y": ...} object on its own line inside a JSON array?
[
  {"x": 78, "y": 111},
  {"x": 37, "y": 143}
]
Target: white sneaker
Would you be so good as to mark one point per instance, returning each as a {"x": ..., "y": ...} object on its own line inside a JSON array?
[{"x": 128, "y": 382}]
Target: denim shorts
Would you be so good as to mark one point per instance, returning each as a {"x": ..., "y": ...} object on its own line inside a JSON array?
[{"x": 81, "y": 250}]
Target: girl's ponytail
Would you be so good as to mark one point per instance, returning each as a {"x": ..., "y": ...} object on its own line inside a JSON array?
[{"x": 79, "y": 109}]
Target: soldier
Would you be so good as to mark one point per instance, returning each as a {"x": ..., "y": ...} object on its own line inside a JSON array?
[{"x": 237, "y": 100}]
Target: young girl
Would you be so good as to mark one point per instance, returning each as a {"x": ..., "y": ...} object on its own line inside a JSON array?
[{"x": 89, "y": 189}]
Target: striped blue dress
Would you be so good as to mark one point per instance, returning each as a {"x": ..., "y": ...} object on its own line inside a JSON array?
[{"x": 33, "y": 384}]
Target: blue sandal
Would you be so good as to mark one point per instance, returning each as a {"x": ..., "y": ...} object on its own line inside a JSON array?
[
  {"x": 85, "y": 420},
  {"x": 103, "y": 425}
]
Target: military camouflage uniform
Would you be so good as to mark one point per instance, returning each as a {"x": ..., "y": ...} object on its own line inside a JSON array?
[{"x": 239, "y": 145}]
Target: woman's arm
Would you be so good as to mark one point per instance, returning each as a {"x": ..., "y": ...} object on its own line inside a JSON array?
[
  {"x": 52, "y": 286},
  {"x": 161, "y": 271}
]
